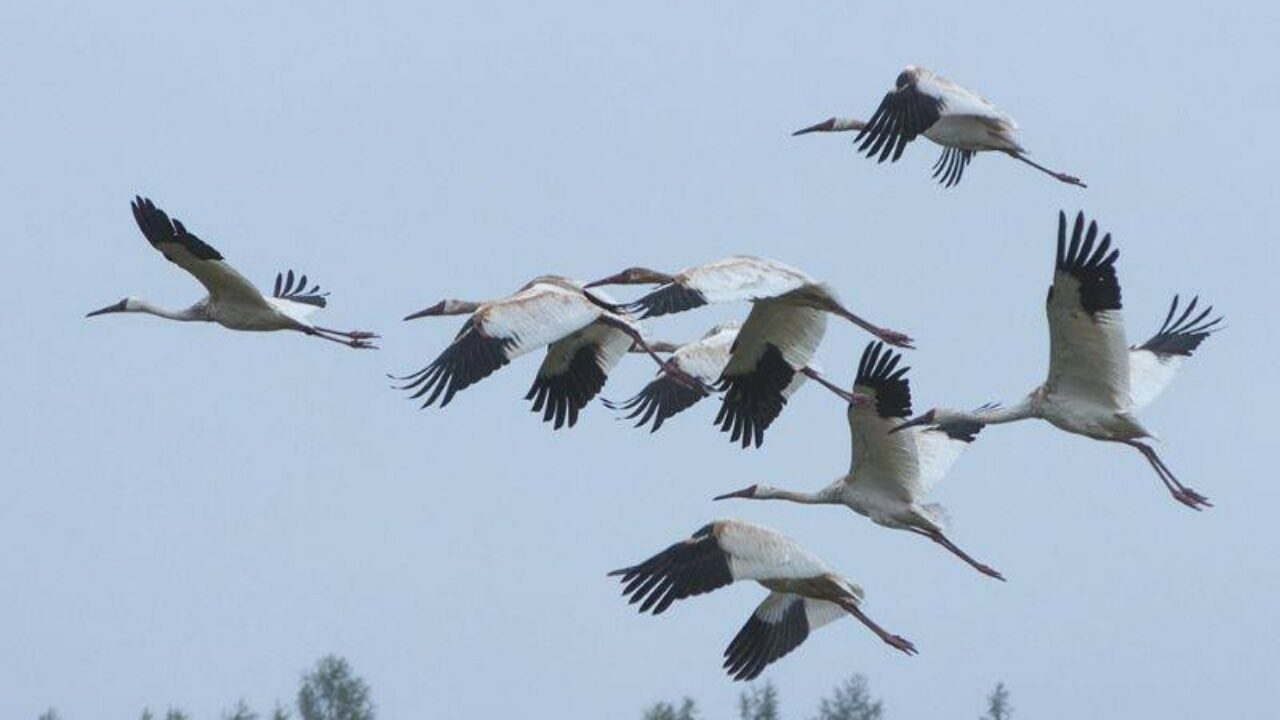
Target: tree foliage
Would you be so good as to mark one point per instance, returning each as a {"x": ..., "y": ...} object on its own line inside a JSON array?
[
  {"x": 333, "y": 692},
  {"x": 759, "y": 703},
  {"x": 998, "y": 707},
  {"x": 688, "y": 710},
  {"x": 851, "y": 700}
]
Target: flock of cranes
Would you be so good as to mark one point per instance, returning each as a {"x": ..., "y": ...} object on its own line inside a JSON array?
[{"x": 1096, "y": 382}]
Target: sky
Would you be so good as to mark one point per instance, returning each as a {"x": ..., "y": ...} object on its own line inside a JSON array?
[{"x": 192, "y": 515}]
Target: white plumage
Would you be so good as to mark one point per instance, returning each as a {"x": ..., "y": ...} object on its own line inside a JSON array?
[
  {"x": 232, "y": 301},
  {"x": 890, "y": 473},
  {"x": 704, "y": 359},
  {"x": 585, "y": 334},
  {"x": 1096, "y": 382},
  {"x": 805, "y": 595},
  {"x": 958, "y": 119},
  {"x": 787, "y": 321}
]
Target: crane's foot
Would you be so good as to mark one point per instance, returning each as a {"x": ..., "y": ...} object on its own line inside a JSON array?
[
  {"x": 1070, "y": 179},
  {"x": 901, "y": 643},
  {"x": 672, "y": 370},
  {"x": 896, "y": 339},
  {"x": 362, "y": 335},
  {"x": 1191, "y": 498},
  {"x": 361, "y": 344},
  {"x": 989, "y": 571}
]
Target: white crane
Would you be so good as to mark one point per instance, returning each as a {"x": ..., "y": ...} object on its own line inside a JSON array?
[
  {"x": 779, "y": 338},
  {"x": 1097, "y": 383},
  {"x": 804, "y": 594},
  {"x": 585, "y": 337},
  {"x": 891, "y": 474},
  {"x": 958, "y": 119},
  {"x": 233, "y": 302},
  {"x": 704, "y": 359}
]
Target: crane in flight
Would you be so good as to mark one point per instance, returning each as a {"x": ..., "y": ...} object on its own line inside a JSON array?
[
  {"x": 782, "y": 332},
  {"x": 1097, "y": 383},
  {"x": 890, "y": 474},
  {"x": 232, "y": 301},
  {"x": 585, "y": 336},
  {"x": 958, "y": 119},
  {"x": 804, "y": 594}
]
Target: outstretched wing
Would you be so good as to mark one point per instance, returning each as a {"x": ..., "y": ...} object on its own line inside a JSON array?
[
  {"x": 499, "y": 332},
  {"x": 194, "y": 255},
  {"x": 574, "y": 371},
  {"x": 904, "y": 113},
  {"x": 883, "y": 461},
  {"x": 778, "y": 340},
  {"x": 779, "y": 625},
  {"x": 733, "y": 279},
  {"x": 951, "y": 165},
  {"x": 664, "y": 397},
  {"x": 1088, "y": 355},
  {"x": 1153, "y": 364},
  {"x": 289, "y": 288},
  {"x": 690, "y": 567}
]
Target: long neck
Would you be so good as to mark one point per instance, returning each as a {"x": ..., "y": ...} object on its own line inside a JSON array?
[
  {"x": 1020, "y": 410},
  {"x": 824, "y": 496},
  {"x": 197, "y": 312},
  {"x": 843, "y": 124}
]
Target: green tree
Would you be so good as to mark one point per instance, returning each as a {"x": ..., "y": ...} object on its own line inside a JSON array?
[
  {"x": 759, "y": 703},
  {"x": 998, "y": 707},
  {"x": 279, "y": 713},
  {"x": 688, "y": 710},
  {"x": 851, "y": 701},
  {"x": 50, "y": 714},
  {"x": 332, "y": 692},
  {"x": 240, "y": 712}
]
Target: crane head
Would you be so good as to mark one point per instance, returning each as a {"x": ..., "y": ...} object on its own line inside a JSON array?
[
  {"x": 124, "y": 305},
  {"x": 925, "y": 419},
  {"x": 747, "y": 492}
]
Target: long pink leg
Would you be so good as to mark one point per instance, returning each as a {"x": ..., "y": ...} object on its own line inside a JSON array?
[
  {"x": 896, "y": 641},
  {"x": 944, "y": 541},
  {"x": 1180, "y": 492}
]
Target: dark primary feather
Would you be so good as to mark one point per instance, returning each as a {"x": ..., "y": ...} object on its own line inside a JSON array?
[
  {"x": 1094, "y": 267},
  {"x": 159, "y": 229},
  {"x": 759, "y": 643},
  {"x": 951, "y": 165},
  {"x": 559, "y": 397},
  {"x": 670, "y": 298},
  {"x": 902, "y": 116},
  {"x": 690, "y": 567},
  {"x": 1184, "y": 335},
  {"x": 662, "y": 398},
  {"x": 470, "y": 358},
  {"x": 287, "y": 289},
  {"x": 753, "y": 401},
  {"x": 878, "y": 373}
]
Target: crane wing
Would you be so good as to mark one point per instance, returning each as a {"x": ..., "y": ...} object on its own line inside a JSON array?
[
  {"x": 883, "y": 461},
  {"x": 958, "y": 100},
  {"x": 574, "y": 370},
  {"x": 779, "y": 625},
  {"x": 1088, "y": 357},
  {"x": 664, "y": 397},
  {"x": 497, "y": 333},
  {"x": 778, "y": 339},
  {"x": 903, "y": 114},
  {"x": 733, "y": 279},
  {"x": 182, "y": 248},
  {"x": 1153, "y": 364},
  {"x": 718, "y": 554},
  {"x": 950, "y": 166}
]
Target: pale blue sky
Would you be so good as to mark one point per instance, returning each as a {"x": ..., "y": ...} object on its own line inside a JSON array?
[{"x": 192, "y": 515}]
